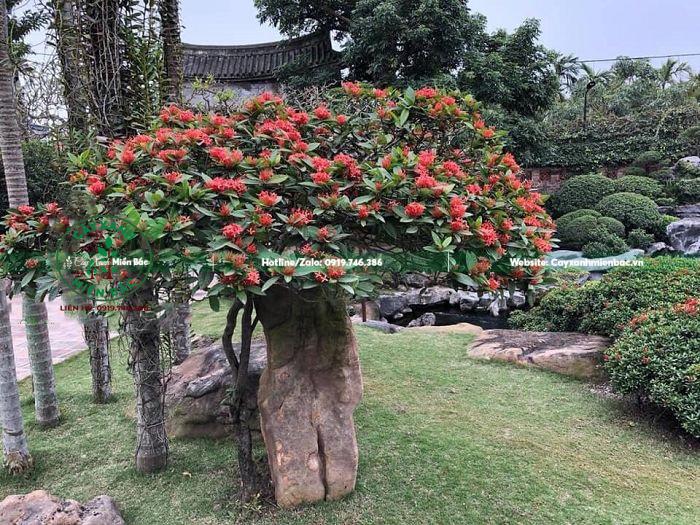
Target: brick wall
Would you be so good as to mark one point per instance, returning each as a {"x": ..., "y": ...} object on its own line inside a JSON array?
[{"x": 548, "y": 180}]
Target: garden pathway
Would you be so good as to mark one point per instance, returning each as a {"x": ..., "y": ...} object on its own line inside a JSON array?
[{"x": 65, "y": 333}]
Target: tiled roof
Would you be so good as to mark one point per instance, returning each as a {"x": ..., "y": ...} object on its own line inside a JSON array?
[{"x": 257, "y": 61}]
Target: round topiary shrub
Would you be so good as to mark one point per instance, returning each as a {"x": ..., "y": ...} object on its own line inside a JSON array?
[
  {"x": 658, "y": 357},
  {"x": 659, "y": 229},
  {"x": 607, "y": 245},
  {"x": 663, "y": 175},
  {"x": 587, "y": 228},
  {"x": 613, "y": 226},
  {"x": 687, "y": 191},
  {"x": 631, "y": 209},
  {"x": 635, "y": 171},
  {"x": 564, "y": 220},
  {"x": 648, "y": 160},
  {"x": 584, "y": 191},
  {"x": 640, "y": 239},
  {"x": 642, "y": 185}
]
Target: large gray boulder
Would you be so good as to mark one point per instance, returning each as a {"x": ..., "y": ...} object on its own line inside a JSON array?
[
  {"x": 568, "y": 353},
  {"x": 193, "y": 400},
  {"x": 684, "y": 235},
  {"x": 41, "y": 508}
]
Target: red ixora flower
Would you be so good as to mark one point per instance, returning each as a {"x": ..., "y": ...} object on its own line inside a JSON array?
[
  {"x": 488, "y": 234},
  {"x": 414, "y": 209},
  {"x": 220, "y": 185},
  {"x": 25, "y": 209},
  {"x": 268, "y": 198},
  {"x": 252, "y": 278},
  {"x": 172, "y": 156},
  {"x": 299, "y": 217},
  {"x": 225, "y": 157},
  {"x": 172, "y": 177},
  {"x": 322, "y": 113},
  {"x": 231, "y": 231},
  {"x": 97, "y": 187}
]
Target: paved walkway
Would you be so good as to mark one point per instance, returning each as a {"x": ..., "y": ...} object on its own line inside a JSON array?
[{"x": 65, "y": 333}]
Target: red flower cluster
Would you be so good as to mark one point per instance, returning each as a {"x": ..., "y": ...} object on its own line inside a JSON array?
[{"x": 221, "y": 185}]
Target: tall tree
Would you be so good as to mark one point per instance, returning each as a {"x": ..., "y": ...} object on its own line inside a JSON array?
[
  {"x": 672, "y": 70},
  {"x": 567, "y": 68},
  {"x": 172, "y": 48},
  {"x": 34, "y": 312},
  {"x": 73, "y": 67}
]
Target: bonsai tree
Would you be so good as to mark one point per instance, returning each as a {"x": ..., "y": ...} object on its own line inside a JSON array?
[{"x": 290, "y": 212}]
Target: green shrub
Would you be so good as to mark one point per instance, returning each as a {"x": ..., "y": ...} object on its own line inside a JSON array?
[
  {"x": 606, "y": 306},
  {"x": 663, "y": 175},
  {"x": 606, "y": 244},
  {"x": 564, "y": 220},
  {"x": 632, "y": 210},
  {"x": 583, "y": 191},
  {"x": 687, "y": 191},
  {"x": 634, "y": 171},
  {"x": 648, "y": 160},
  {"x": 658, "y": 357},
  {"x": 642, "y": 185},
  {"x": 640, "y": 239},
  {"x": 587, "y": 228},
  {"x": 44, "y": 175},
  {"x": 665, "y": 201},
  {"x": 558, "y": 311},
  {"x": 660, "y": 227},
  {"x": 613, "y": 226}
]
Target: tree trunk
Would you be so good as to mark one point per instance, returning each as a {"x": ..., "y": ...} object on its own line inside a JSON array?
[
  {"x": 307, "y": 395},
  {"x": 35, "y": 317},
  {"x": 144, "y": 348},
  {"x": 14, "y": 440},
  {"x": 96, "y": 333},
  {"x": 39, "y": 349},
  {"x": 172, "y": 48},
  {"x": 68, "y": 48},
  {"x": 180, "y": 328},
  {"x": 106, "y": 49}
]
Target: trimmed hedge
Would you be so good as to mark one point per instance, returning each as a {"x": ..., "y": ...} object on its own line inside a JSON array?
[
  {"x": 687, "y": 191},
  {"x": 583, "y": 191},
  {"x": 632, "y": 210},
  {"x": 658, "y": 357},
  {"x": 642, "y": 185},
  {"x": 564, "y": 220},
  {"x": 587, "y": 228},
  {"x": 640, "y": 239},
  {"x": 606, "y": 306},
  {"x": 649, "y": 159},
  {"x": 635, "y": 171}
]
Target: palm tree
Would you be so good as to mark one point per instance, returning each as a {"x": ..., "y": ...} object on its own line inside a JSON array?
[
  {"x": 35, "y": 317},
  {"x": 672, "y": 70},
  {"x": 599, "y": 77},
  {"x": 567, "y": 69},
  {"x": 16, "y": 451}
]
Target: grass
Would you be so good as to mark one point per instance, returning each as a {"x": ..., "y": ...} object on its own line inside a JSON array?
[{"x": 443, "y": 439}]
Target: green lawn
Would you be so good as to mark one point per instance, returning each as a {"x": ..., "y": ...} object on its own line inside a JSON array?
[{"x": 443, "y": 439}]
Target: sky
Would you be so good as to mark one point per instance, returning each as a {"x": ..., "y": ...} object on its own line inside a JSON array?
[{"x": 589, "y": 29}]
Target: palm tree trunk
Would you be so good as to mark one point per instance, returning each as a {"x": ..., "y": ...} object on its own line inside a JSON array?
[
  {"x": 144, "y": 348},
  {"x": 38, "y": 346},
  {"x": 172, "y": 48},
  {"x": 96, "y": 333},
  {"x": 35, "y": 317},
  {"x": 14, "y": 440}
]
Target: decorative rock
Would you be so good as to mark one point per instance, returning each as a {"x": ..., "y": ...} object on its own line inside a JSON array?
[
  {"x": 567, "y": 353},
  {"x": 387, "y": 328},
  {"x": 41, "y": 508},
  {"x": 684, "y": 235},
  {"x": 424, "y": 320},
  {"x": 416, "y": 280},
  {"x": 658, "y": 247},
  {"x": 432, "y": 296},
  {"x": 390, "y": 305},
  {"x": 693, "y": 161},
  {"x": 198, "y": 386}
]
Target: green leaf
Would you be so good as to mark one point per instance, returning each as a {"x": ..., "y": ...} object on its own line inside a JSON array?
[
  {"x": 214, "y": 303},
  {"x": 269, "y": 283}
]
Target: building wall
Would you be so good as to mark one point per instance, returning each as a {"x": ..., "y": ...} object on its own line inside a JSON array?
[
  {"x": 548, "y": 180},
  {"x": 242, "y": 91}
]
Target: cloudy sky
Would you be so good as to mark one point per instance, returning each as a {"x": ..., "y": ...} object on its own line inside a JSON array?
[{"x": 589, "y": 29}]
